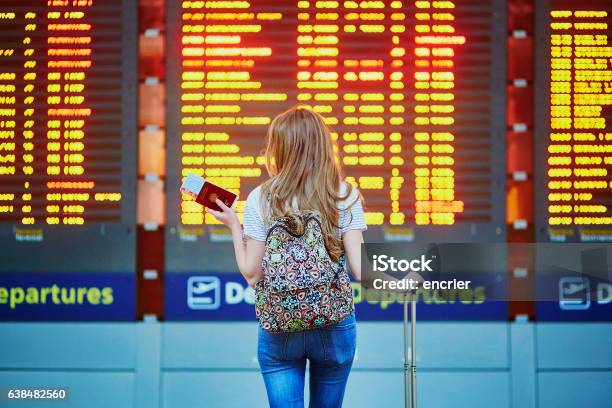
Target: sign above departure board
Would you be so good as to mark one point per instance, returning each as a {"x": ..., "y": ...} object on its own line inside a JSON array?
[
  {"x": 67, "y": 135},
  {"x": 574, "y": 130},
  {"x": 414, "y": 92}
]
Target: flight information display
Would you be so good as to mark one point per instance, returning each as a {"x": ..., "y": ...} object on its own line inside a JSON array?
[
  {"x": 574, "y": 133},
  {"x": 414, "y": 92},
  {"x": 67, "y": 134}
]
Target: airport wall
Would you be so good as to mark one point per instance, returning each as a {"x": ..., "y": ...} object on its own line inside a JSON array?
[{"x": 203, "y": 364}]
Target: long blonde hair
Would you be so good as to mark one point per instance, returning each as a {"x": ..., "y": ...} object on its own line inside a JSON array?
[{"x": 305, "y": 173}]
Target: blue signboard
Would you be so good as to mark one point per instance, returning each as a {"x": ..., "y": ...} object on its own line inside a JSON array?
[
  {"x": 580, "y": 298},
  {"x": 52, "y": 296},
  {"x": 226, "y": 296},
  {"x": 574, "y": 282}
]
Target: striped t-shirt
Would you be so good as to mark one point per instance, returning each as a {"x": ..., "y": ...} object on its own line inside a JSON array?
[{"x": 349, "y": 219}]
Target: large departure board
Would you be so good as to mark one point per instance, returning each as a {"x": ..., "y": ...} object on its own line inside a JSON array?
[
  {"x": 574, "y": 130},
  {"x": 413, "y": 91},
  {"x": 67, "y": 135}
]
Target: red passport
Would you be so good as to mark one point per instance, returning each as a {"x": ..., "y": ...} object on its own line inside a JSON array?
[
  {"x": 205, "y": 192},
  {"x": 211, "y": 192}
]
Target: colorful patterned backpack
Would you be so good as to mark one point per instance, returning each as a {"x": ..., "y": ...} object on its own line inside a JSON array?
[{"x": 302, "y": 288}]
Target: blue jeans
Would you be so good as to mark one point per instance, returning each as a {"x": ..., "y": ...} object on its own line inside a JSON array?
[{"x": 282, "y": 358}]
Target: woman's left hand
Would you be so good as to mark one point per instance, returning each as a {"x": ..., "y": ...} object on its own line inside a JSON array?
[{"x": 227, "y": 215}]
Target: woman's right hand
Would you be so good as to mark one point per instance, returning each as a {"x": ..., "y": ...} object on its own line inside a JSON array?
[{"x": 227, "y": 215}]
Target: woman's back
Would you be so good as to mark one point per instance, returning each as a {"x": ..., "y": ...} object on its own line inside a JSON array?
[
  {"x": 350, "y": 213},
  {"x": 305, "y": 178}
]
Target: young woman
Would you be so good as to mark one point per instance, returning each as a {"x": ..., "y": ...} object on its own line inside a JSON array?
[{"x": 305, "y": 175}]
